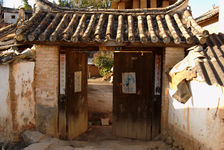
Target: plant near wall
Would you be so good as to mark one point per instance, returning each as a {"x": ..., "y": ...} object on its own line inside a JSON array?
[
  {"x": 26, "y": 5},
  {"x": 105, "y": 61}
]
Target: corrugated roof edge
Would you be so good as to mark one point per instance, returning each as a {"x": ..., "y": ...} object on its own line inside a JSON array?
[
  {"x": 207, "y": 15},
  {"x": 180, "y": 5}
]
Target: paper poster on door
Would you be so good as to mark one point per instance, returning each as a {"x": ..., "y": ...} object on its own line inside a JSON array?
[
  {"x": 129, "y": 82},
  {"x": 62, "y": 73},
  {"x": 77, "y": 81}
]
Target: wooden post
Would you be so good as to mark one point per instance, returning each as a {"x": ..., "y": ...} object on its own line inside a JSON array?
[
  {"x": 121, "y": 5},
  {"x": 143, "y": 3},
  {"x": 135, "y": 4},
  {"x": 153, "y": 3},
  {"x": 165, "y": 3}
]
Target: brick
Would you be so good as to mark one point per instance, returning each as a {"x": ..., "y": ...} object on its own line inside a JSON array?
[{"x": 46, "y": 84}]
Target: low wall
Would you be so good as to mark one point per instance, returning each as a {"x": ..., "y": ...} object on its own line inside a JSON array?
[
  {"x": 93, "y": 71},
  {"x": 198, "y": 124},
  {"x": 17, "y": 103}
]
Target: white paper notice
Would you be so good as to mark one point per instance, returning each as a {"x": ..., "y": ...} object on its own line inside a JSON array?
[
  {"x": 77, "y": 81},
  {"x": 129, "y": 82}
]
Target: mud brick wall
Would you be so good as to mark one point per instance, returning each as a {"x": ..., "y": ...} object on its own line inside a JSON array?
[{"x": 46, "y": 88}]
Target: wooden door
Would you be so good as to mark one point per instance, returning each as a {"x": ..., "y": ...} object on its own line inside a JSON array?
[
  {"x": 133, "y": 105},
  {"x": 75, "y": 107}
]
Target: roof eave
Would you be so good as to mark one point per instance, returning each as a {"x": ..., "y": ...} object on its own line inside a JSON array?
[{"x": 180, "y": 5}]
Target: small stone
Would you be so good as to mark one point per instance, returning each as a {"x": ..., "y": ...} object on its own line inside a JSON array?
[
  {"x": 31, "y": 137},
  {"x": 105, "y": 121}
]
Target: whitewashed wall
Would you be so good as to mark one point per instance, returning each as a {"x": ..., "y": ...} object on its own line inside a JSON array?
[
  {"x": 8, "y": 17},
  {"x": 17, "y": 103},
  {"x": 221, "y": 17},
  {"x": 5, "y": 104},
  {"x": 213, "y": 28},
  {"x": 201, "y": 119},
  {"x": 23, "y": 74}
]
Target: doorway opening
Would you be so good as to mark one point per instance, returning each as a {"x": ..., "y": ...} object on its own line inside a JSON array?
[{"x": 100, "y": 88}]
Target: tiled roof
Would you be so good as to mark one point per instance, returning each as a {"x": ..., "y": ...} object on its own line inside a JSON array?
[
  {"x": 90, "y": 26},
  {"x": 7, "y": 36},
  {"x": 103, "y": 27},
  {"x": 211, "y": 68},
  {"x": 209, "y": 14},
  {"x": 207, "y": 63}
]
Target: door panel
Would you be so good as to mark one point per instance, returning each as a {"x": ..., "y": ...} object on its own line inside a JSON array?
[
  {"x": 76, "y": 106},
  {"x": 132, "y": 111}
]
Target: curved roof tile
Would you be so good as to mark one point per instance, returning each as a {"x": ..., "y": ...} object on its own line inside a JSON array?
[{"x": 96, "y": 27}]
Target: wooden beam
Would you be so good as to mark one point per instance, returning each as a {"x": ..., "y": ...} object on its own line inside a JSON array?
[
  {"x": 165, "y": 3},
  {"x": 143, "y": 3},
  {"x": 135, "y": 4},
  {"x": 153, "y": 3},
  {"x": 121, "y": 5}
]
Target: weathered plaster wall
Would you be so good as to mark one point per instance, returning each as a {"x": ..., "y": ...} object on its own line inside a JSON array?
[
  {"x": 171, "y": 57},
  {"x": 5, "y": 103},
  {"x": 17, "y": 103},
  {"x": 46, "y": 88},
  {"x": 198, "y": 124},
  {"x": 22, "y": 80}
]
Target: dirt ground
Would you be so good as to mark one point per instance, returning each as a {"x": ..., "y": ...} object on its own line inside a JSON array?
[
  {"x": 100, "y": 100},
  {"x": 101, "y": 138},
  {"x": 96, "y": 138}
]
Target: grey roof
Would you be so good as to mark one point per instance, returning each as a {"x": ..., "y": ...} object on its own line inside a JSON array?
[
  {"x": 172, "y": 25},
  {"x": 203, "y": 64},
  {"x": 211, "y": 67},
  {"x": 7, "y": 37}
]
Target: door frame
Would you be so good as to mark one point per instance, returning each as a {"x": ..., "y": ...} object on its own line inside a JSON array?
[{"x": 155, "y": 50}]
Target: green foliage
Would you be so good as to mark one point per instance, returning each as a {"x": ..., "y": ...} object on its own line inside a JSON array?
[
  {"x": 85, "y": 3},
  {"x": 105, "y": 61},
  {"x": 65, "y": 3},
  {"x": 26, "y": 5}
]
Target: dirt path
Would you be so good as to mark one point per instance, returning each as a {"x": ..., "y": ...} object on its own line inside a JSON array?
[
  {"x": 100, "y": 98},
  {"x": 96, "y": 138}
]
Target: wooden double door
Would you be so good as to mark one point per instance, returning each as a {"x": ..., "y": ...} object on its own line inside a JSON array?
[
  {"x": 73, "y": 106},
  {"x": 136, "y": 110}
]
